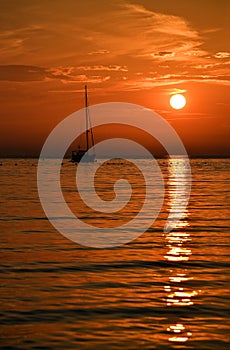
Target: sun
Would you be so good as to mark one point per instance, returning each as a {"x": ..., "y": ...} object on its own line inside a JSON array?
[{"x": 177, "y": 101}]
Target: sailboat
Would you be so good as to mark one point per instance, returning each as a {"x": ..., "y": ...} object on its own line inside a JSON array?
[{"x": 78, "y": 154}]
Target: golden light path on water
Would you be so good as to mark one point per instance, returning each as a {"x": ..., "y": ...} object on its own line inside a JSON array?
[{"x": 177, "y": 243}]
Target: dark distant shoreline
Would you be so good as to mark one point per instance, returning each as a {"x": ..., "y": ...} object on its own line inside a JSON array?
[{"x": 155, "y": 156}]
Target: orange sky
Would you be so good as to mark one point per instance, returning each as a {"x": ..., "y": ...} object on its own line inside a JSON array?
[{"x": 131, "y": 51}]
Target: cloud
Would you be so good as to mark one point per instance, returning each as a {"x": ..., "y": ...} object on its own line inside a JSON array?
[
  {"x": 174, "y": 79},
  {"x": 138, "y": 32},
  {"x": 98, "y": 52},
  {"x": 163, "y": 54},
  {"x": 135, "y": 32},
  {"x": 87, "y": 79},
  {"x": 124, "y": 30},
  {"x": 162, "y": 23},
  {"x": 13, "y": 42},
  {"x": 125, "y": 46},
  {"x": 23, "y": 73},
  {"x": 222, "y": 55},
  {"x": 211, "y": 30},
  {"x": 104, "y": 68}
]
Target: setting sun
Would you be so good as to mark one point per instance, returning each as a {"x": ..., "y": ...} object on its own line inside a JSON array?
[{"x": 177, "y": 101}]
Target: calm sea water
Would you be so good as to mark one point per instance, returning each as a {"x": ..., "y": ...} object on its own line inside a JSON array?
[{"x": 161, "y": 291}]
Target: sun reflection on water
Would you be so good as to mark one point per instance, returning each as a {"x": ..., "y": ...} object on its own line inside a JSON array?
[
  {"x": 178, "y": 291},
  {"x": 180, "y": 334}
]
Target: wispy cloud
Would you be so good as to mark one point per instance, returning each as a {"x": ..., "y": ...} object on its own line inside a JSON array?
[
  {"x": 99, "y": 52},
  {"x": 162, "y": 23},
  {"x": 129, "y": 47},
  {"x": 175, "y": 79},
  {"x": 154, "y": 33},
  {"x": 23, "y": 73},
  {"x": 104, "y": 68},
  {"x": 222, "y": 55}
]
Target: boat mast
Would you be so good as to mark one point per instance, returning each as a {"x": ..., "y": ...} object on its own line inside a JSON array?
[{"x": 86, "y": 116}]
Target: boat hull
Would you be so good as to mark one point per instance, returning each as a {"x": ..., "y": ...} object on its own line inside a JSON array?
[{"x": 78, "y": 156}]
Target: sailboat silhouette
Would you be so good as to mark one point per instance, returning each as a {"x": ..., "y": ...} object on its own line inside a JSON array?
[{"x": 78, "y": 154}]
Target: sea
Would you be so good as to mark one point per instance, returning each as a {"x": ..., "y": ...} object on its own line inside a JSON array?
[{"x": 161, "y": 290}]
